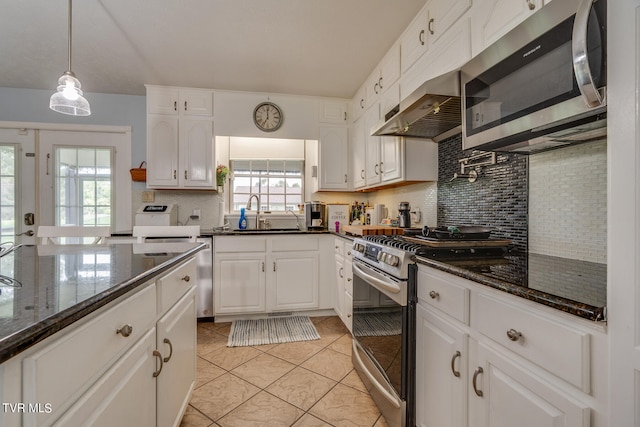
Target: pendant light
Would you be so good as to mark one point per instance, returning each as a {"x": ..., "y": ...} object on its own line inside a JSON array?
[{"x": 68, "y": 99}]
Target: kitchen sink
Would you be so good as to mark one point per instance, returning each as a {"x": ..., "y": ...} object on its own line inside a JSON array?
[{"x": 271, "y": 230}]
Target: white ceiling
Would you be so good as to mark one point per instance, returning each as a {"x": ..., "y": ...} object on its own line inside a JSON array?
[{"x": 306, "y": 47}]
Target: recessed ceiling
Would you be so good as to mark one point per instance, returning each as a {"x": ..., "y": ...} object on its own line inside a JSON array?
[{"x": 305, "y": 47}]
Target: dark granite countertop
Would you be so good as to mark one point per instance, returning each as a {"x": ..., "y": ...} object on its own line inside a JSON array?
[
  {"x": 55, "y": 286},
  {"x": 573, "y": 286}
]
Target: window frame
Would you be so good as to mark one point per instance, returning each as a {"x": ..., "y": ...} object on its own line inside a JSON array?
[
  {"x": 17, "y": 175},
  {"x": 266, "y": 175}
]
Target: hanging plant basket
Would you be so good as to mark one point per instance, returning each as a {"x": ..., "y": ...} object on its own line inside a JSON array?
[{"x": 139, "y": 174}]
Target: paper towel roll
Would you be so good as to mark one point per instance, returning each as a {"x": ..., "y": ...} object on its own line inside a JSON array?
[{"x": 221, "y": 212}]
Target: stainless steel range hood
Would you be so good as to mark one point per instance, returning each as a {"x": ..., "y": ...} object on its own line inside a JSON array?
[{"x": 431, "y": 111}]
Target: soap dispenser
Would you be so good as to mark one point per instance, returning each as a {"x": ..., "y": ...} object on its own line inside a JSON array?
[{"x": 242, "y": 224}]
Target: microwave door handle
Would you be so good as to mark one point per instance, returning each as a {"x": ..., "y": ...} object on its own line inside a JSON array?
[{"x": 581, "y": 67}]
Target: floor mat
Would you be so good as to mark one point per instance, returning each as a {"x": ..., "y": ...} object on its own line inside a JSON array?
[{"x": 273, "y": 330}]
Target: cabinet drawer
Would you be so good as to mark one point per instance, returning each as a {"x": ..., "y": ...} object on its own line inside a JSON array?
[
  {"x": 61, "y": 371},
  {"x": 558, "y": 348},
  {"x": 451, "y": 298},
  {"x": 294, "y": 243},
  {"x": 240, "y": 244},
  {"x": 175, "y": 284}
]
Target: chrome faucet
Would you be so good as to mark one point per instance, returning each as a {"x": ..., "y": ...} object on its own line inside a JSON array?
[
  {"x": 296, "y": 216},
  {"x": 258, "y": 211}
]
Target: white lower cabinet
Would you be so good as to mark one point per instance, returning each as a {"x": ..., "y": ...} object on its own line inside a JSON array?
[
  {"x": 343, "y": 281},
  {"x": 488, "y": 359},
  {"x": 441, "y": 371},
  {"x": 240, "y": 282},
  {"x": 176, "y": 341},
  {"x": 284, "y": 275},
  {"x": 504, "y": 393},
  {"x": 131, "y": 364}
]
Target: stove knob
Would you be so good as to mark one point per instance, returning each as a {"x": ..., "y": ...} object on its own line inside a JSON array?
[
  {"x": 358, "y": 247},
  {"x": 392, "y": 260},
  {"x": 381, "y": 256}
]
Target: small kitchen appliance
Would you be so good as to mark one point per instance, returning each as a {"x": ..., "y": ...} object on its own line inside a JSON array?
[
  {"x": 315, "y": 215},
  {"x": 375, "y": 214},
  {"x": 149, "y": 214},
  {"x": 404, "y": 215}
]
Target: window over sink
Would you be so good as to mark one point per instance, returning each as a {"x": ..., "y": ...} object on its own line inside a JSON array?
[{"x": 279, "y": 184}]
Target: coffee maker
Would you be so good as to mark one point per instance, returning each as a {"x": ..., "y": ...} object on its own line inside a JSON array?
[
  {"x": 315, "y": 214},
  {"x": 404, "y": 215}
]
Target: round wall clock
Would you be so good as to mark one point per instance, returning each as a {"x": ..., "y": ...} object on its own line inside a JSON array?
[{"x": 268, "y": 117}]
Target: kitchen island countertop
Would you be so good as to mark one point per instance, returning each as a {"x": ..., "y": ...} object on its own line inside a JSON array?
[
  {"x": 55, "y": 286},
  {"x": 573, "y": 286}
]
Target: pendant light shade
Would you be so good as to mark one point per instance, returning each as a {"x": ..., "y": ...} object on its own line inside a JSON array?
[{"x": 68, "y": 98}]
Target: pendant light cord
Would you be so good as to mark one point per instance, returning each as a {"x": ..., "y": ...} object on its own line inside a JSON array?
[{"x": 69, "y": 44}]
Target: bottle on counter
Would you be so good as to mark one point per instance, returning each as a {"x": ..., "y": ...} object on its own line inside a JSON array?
[{"x": 242, "y": 223}]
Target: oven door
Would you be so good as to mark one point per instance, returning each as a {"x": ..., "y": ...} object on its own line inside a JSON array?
[{"x": 379, "y": 330}]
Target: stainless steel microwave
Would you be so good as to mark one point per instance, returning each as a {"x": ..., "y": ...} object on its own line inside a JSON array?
[{"x": 542, "y": 85}]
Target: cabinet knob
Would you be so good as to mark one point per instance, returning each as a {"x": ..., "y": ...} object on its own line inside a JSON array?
[
  {"x": 514, "y": 335},
  {"x": 167, "y": 341},
  {"x": 186, "y": 278},
  {"x": 434, "y": 295},
  {"x": 125, "y": 331},
  {"x": 531, "y": 4},
  {"x": 158, "y": 356},
  {"x": 456, "y": 355},
  {"x": 349, "y": 279},
  {"x": 349, "y": 315}
]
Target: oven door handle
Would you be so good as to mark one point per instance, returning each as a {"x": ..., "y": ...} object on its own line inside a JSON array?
[
  {"x": 376, "y": 282},
  {"x": 388, "y": 396}
]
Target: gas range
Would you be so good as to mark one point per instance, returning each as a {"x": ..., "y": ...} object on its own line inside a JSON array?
[{"x": 393, "y": 254}]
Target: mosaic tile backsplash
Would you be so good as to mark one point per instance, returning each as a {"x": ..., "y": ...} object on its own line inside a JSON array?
[{"x": 498, "y": 199}]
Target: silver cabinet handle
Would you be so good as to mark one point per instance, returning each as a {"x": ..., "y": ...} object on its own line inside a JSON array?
[
  {"x": 157, "y": 354},
  {"x": 125, "y": 331},
  {"x": 340, "y": 272},
  {"x": 274, "y": 266},
  {"x": 362, "y": 103},
  {"x": 380, "y": 82},
  {"x": 431, "y": 21},
  {"x": 185, "y": 174},
  {"x": 186, "y": 278},
  {"x": 185, "y": 105},
  {"x": 581, "y": 67},
  {"x": 456, "y": 355},
  {"x": 362, "y": 174},
  {"x": 531, "y": 4},
  {"x": 475, "y": 381},
  {"x": 166, "y": 341},
  {"x": 421, "y": 37},
  {"x": 48, "y": 157},
  {"x": 375, "y": 88},
  {"x": 434, "y": 295},
  {"x": 263, "y": 267},
  {"x": 175, "y": 105},
  {"x": 381, "y": 163},
  {"x": 514, "y": 335},
  {"x": 345, "y": 177},
  {"x": 375, "y": 169},
  {"x": 175, "y": 174}
]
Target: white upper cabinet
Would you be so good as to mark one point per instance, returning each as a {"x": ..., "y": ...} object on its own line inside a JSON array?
[
  {"x": 428, "y": 26},
  {"x": 180, "y": 150},
  {"x": 383, "y": 76},
  {"x": 359, "y": 103},
  {"x": 357, "y": 155},
  {"x": 333, "y": 112},
  {"x": 494, "y": 18},
  {"x": 334, "y": 158},
  {"x": 176, "y": 101}
]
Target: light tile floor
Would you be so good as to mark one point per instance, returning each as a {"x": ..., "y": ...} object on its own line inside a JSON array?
[{"x": 302, "y": 384}]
